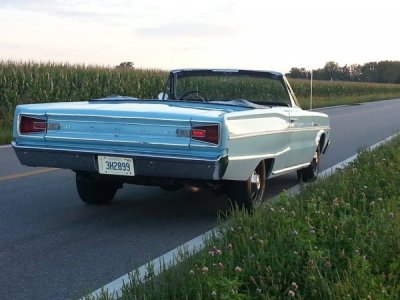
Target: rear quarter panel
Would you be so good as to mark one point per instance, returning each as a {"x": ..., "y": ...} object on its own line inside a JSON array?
[{"x": 253, "y": 136}]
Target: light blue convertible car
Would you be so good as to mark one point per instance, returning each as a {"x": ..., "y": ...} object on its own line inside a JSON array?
[{"x": 227, "y": 130}]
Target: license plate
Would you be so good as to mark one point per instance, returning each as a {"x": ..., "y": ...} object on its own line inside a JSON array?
[{"x": 116, "y": 165}]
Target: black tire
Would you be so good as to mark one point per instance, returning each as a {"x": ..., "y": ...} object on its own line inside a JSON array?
[
  {"x": 310, "y": 173},
  {"x": 93, "y": 190},
  {"x": 249, "y": 193}
]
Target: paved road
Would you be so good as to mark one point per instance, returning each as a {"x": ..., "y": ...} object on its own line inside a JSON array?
[{"x": 52, "y": 246}]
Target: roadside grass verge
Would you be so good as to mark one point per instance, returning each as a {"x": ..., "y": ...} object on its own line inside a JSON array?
[
  {"x": 338, "y": 239},
  {"x": 320, "y": 102},
  {"x": 5, "y": 135},
  {"x": 331, "y": 93}
]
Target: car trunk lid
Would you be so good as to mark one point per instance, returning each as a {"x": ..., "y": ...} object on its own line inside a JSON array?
[{"x": 138, "y": 126}]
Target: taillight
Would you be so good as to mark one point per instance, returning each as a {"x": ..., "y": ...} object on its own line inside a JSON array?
[
  {"x": 206, "y": 133},
  {"x": 32, "y": 125}
]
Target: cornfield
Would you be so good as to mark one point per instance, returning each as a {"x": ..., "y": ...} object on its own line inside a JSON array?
[
  {"x": 327, "y": 93},
  {"x": 31, "y": 82}
]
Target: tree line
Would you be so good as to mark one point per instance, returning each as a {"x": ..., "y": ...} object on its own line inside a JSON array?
[{"x": 380, "y": 72}]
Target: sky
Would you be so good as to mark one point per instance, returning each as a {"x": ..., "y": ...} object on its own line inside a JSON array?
[{"x": 170, "y": 34}]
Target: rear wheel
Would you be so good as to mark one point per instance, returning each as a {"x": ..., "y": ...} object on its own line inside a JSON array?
[
  {"x": 93, "y": 190},
  {"x": 310, "y": 173},
  {"x": 247, "y": 194}
]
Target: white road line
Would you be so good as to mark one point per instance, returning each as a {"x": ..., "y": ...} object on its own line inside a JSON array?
[
  {"x": 168, "y": 259},
  {"x": 5, "y": 146},
  {"x": 195, "y": 245}
]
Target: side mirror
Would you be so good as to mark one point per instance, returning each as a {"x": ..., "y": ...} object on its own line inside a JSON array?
[{"x": 162, "y": 96}]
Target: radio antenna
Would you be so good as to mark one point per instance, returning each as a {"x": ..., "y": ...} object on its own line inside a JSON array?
[{"x": 311, "y": 90}]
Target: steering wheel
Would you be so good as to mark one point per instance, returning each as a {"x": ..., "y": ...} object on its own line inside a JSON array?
[{"x": 194, "y": 95}]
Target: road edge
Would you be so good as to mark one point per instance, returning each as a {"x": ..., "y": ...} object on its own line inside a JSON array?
[{"x": 165, "y": 261}]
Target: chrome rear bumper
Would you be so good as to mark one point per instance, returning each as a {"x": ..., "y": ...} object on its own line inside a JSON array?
[{"x": 145, "y": 165}]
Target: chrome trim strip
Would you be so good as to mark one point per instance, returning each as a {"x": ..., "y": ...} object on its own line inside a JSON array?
[
  {"x": 33, "y": 136},
  {"x": 111, "y": 153},
  {"x": 269, "y": 155},
  {"x": 289, "y": 130},
  {"x": 311, "y": 128},
  {"x": 258, "y": 116},
  {"x": 246, "y": 135},
  {"x": 245, "y": 157},
  {"x": 49, "y": 138},
  {"x": 290, "y": 169},
  {"x": 121, "y": 123},
  {"x": 115, "y": 117}
]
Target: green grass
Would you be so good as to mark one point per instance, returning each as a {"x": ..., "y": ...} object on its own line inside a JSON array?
[
  {"x": 5, "y": 135},
  {"x": 331, "y": 93},
  {"x": 319, "y": 102},
  {"x": 338, "y": 239}
]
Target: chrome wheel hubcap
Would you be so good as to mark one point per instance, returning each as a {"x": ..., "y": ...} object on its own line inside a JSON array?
[{"x": 255, "y": 180}]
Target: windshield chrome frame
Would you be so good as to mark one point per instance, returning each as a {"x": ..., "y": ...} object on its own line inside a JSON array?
[{"x": 174, "y": 76}]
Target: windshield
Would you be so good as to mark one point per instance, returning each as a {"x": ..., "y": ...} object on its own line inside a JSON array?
[{"x": 257, "y": 87}]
